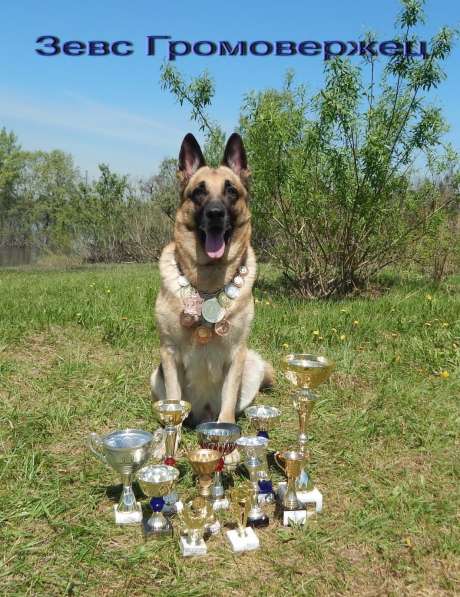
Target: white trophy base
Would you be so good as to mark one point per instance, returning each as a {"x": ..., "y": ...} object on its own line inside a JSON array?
[
  {"x": 192, "y": 549},
  {"x": 311, "y": 497},
  {"x": 128, "y": 517},
  {"x": 220, "y": 504},
  {"x": 305, "y": 497},
  {"x": 247, "y": 543},
  {"x": 294, "y": 517}
]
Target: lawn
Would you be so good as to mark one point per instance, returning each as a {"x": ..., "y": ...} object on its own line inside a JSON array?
[{"x": 76, "y": 351}]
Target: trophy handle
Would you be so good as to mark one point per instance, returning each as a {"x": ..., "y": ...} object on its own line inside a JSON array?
[
  {"x": 94, "y": 442},
  {"x": 278, "y": 462}
]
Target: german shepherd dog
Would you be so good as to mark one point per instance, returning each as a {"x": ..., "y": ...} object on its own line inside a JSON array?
[{"x": 216, "y": 373}]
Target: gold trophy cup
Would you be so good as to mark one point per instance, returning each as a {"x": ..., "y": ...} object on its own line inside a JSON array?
[
  {"x": 204, "y": 463},
  {"x": 243, "y": 538},
  {"x": 195, "y": 515},
  {"x": 306, "y": 371}
]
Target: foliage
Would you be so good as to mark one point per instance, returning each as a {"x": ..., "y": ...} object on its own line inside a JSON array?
[{"x": 333, "y": 188}]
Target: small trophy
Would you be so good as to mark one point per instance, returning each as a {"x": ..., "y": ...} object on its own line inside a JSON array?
[
  {"x": 254, "y": 448},
  {"x": 171, "y": 414},
  {"x": 243, "y": 538},
  {"x": 126, "y": 451},
  {"x": 195, "y": 515},
  {"x": 204, "y": 462},
  {"x": 307, "y": 372},
  {"x": 220, "y": 437},
  {"x": 263, "y": 419},
  {"x": 156, "y": 481},
  {"x": 291, "y": 462}
]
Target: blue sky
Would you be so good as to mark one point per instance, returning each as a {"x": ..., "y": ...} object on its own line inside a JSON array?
[{"x": 111, "y": 109}]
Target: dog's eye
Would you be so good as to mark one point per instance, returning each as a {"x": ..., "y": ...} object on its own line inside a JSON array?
[
  {"x": 230, "y": 191},
  {"x": 198, "y": 193}
]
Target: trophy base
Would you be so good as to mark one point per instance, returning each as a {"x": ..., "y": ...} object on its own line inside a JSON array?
[
  {"x": 265, "y": 498},
  {"x": 294, "y": 517},
  {"x": 187, "y": 549},
  {"x": 170, "y": 509},
  {"x": 311, "y": 497},
  {"x": 157, "y": 533},
  {"x": 213, "y": 528},
  {"x": 259, "y": 523},
  {"x": 134, "y": 517},
  {"x": 220, "y": 504},
  {"x": 247, "y": 543}
]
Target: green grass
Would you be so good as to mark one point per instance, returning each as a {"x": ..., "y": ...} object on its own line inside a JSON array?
[{"x": 76, "y": 351}]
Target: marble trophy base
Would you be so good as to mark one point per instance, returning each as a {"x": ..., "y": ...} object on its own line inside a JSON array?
[
  {"x": 305, "y": 497},
  {"x": 134, "y": 517},
  {"x": 220, "y": 504},
  {"x": 294, "y": 517},
  {"x": 213, "y": 528},
  {"x": 197, "y": 548},
  {"x": 247, "y": 543}
]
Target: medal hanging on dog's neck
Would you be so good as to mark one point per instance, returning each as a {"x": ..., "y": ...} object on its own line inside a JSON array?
[{"x": 206, "y": 311}]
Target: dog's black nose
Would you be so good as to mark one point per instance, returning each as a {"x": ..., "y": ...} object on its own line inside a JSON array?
[{"x": 215, "y": 212}]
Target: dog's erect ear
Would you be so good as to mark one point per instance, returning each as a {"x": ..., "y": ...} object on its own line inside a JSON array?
[
  {"x": 235, "y": 156},
  {"x": 190, "y": 158}
]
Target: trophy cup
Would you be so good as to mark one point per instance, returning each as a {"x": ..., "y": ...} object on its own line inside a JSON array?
[
  {"x": 195, "y": 515},
  {"x": 220, "y": 437},
  {"x": 255, "y": 460},
  {"x": 156, "y": 481},
  {"x": 307, "y": 372},
  {"x": 204, "y": 462},
  {"x": 263, "y": 419},
  {"x": 125, "y": 451},
  {"x": 291, "y": 462},
  {"x": 171, "y": 414},
  {"x": 243, "y": 538}
]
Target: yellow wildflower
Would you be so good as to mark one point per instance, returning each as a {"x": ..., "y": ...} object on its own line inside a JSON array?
[
  {"x": 285, "y": 345},
  {"x": 444, "y": 374},
  {"x": 355, "y": 322},
  {"x": 315, "y": 332},
  {"x": 342, "y": 337},
  {"x": 445, "y": 324},
  {"x": 429, "y": 297}
]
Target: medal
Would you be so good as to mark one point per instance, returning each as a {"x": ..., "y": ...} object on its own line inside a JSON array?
[
  {"x": 243, "y": 270},
  {"x": 238, "y": 281},
  {"x": 222, "y": 327},
  {"x": 188, "y": 320},
  {"x": 183, "y": 282},
  {"x": 192, "y": 305},
  {"x": 232, "y": 291},
  {"x": 203, "y": 334},
  {"x": 224, "y": 300},
  {"x": 211, "y": 311},
  {"x": 185, "y": 292}
]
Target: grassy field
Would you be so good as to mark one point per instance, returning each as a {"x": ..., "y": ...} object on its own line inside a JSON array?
[{"x": 76, "y": 351}]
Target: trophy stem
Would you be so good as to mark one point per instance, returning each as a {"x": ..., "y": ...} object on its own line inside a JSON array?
[
  {"x": 127, "y": 501},
  {"x": 170, "y": 433},
  {"x": 157, "y": 522},
  {"x": 290, "y": 501}
]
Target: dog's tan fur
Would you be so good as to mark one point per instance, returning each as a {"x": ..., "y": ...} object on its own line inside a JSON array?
[{"x": 222, "y": 377}]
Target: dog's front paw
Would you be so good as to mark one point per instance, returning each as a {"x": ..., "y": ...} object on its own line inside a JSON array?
[{"x": 232, "y": 459}]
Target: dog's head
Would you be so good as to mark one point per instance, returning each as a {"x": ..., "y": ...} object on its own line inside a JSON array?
[{"x": 214, "y": 201}]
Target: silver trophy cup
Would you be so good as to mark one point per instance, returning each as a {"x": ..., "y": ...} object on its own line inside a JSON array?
[
  {"x": 255, "y": 460},
  {"x": 125, "y": 451}
]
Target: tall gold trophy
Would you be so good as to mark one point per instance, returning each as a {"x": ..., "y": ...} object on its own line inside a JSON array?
[
  {"x": 306, "y": 371},
  {"x": 204, "y": 463}
]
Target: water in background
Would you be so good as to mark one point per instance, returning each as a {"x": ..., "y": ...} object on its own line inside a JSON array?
[{"x": 13, "y": 256}]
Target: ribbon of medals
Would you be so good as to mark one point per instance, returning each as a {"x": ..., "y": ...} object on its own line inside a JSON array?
[{"x": 206, "y": 312}]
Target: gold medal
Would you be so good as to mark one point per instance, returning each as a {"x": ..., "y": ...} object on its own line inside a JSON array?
[
  {"x": 192, "y": 305},
  {"x": 188, "y": 320},
  {"x": 203, "y": 334},
  {"x": 224, "y": 300},
  {"x": 211, "y": 311},
  {"x": 222, "y": 327}
]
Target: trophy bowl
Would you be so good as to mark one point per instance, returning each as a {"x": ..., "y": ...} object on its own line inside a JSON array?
[
  {"x": 220, "y": 437},
  {"x": 171, "y": 412},
  {"x": 156, "y": 481},
  {"x": 126, "y": 451},
  {"x": 307, "y": 370},
  {"x": 262, "y": 418}
]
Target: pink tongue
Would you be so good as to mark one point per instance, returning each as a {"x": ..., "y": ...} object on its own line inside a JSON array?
[{"x": 215, "y": 244}]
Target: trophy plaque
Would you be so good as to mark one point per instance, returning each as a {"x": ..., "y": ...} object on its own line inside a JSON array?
[{"x": 126, "y": 451}]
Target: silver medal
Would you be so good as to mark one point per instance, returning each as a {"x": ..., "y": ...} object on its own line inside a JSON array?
[
  {"x": 232, "y": 291},
  {"x": 243, "y": 270},
  {"x": 238, "y": 281},
  {"x": 211, "y": 311},
  {"x": 183, "y": 282}
]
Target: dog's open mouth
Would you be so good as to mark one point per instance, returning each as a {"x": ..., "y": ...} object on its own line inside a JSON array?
[{"x": 215, "y": 241}]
